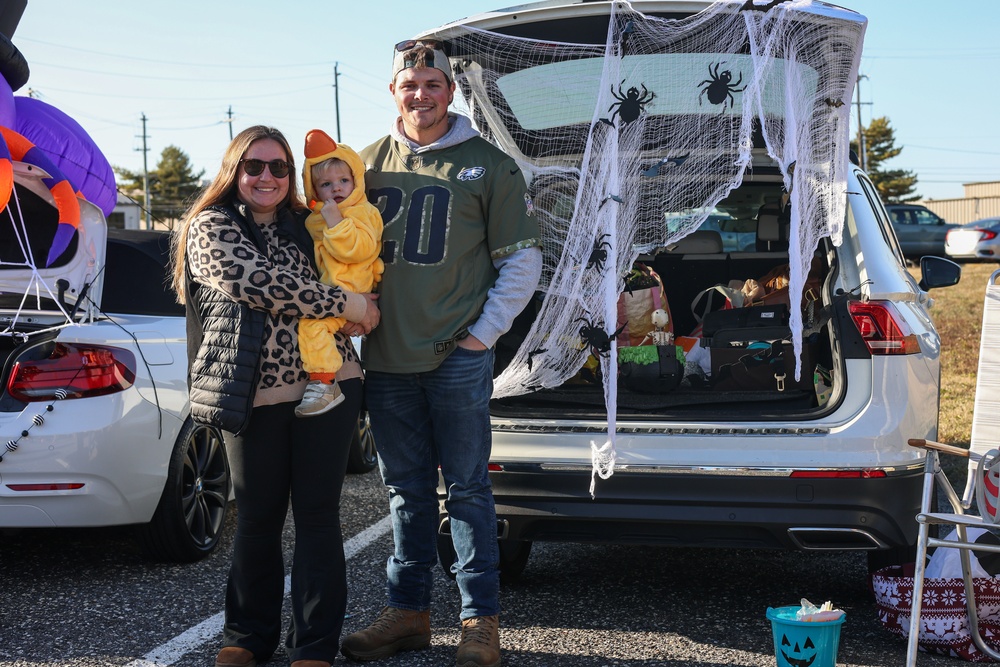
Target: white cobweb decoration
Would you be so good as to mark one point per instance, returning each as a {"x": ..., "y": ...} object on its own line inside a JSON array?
[
  {"x": 665, "y": 113},
  {"x": 21, "y": 259}
]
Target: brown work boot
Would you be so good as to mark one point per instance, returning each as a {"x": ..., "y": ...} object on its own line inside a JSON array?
[
  {"x": 480, "y": 645},
  {"x": 393, "y": 631},
  {"x": 234, "y": 656}
]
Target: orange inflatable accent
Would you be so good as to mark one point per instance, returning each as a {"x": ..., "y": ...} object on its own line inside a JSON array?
[
  {"x": 22, "y": 150},
  {"x": 6, "y": 174}
]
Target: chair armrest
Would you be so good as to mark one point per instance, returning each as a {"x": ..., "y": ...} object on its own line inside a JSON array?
[{"x": 941, "y": 447}]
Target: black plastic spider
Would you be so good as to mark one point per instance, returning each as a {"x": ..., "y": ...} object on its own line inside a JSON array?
[
  {"x": 749, "y": 5},
  {"x": 534, "y": 353},
  {"x": 720, "y": 87},
  {"x": 630, "y": 104},
  {"x": 596, "y": 338},
  {"x": 599, "y": 254}
]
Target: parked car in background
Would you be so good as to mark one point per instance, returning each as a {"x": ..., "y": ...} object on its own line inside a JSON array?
[
  {"x": 920, "y": 230},
  {"x": 979, "y": 240},
  {"x": 94, "y": 407},
  {"x": 737, "y": 234},
  {"x": 716, "y": 461}
]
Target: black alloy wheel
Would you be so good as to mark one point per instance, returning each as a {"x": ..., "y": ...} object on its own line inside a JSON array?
[
  {"x": 363, "y": 457},
  {"x": 189, "y": 519}
]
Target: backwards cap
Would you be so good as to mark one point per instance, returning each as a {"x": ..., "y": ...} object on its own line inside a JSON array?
[{"x": 423, "y": 55}]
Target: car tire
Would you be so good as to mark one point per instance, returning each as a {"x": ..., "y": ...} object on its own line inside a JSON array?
[
  {"x": 883, "y": 558},
  {"x": 188, "y": 521},
  {"x": 446, "y": 554},
  {"x": 513, "y": 557},
  {"x": 363, "y": 457}
]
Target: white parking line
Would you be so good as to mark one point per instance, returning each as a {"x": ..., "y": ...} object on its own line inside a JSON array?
[{"x": 209, "y": 629}]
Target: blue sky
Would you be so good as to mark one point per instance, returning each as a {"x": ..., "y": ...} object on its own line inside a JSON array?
[{"x": 934, "y": 72}]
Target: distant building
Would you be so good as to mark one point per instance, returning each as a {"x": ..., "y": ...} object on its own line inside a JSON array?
[
  {"x": 981, "y": 200},
  {"x": 127, "y": 214}
]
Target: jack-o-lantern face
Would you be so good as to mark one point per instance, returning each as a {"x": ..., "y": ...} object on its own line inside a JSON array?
[{"x": 795, "y": 655}]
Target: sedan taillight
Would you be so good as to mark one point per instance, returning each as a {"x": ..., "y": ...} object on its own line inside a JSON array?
[
  {"x": 984, "y": 234},
  {"x": 883, "y": 328},
  {"x": 80, "y": 370}
]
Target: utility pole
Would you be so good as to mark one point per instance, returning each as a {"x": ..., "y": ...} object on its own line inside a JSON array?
[
  {"x": 863, "y": 155},
  {"x": 145, "y": 175},
  {"x": 229, "y": 120},
  {"x": 336, "y": 96}
]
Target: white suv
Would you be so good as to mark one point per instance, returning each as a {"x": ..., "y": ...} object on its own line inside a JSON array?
[{"x": 820, "y": 464}]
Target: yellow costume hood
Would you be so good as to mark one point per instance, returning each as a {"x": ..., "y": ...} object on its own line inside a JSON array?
[
  {"x": 348, "y": 253},
  {"x": 319, "y": 147}
]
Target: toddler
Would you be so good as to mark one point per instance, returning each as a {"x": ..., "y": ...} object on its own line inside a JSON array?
[{"x": 347, "y": 235}]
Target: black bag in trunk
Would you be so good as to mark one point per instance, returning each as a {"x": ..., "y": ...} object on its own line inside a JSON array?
[
  {"x": 761, "y": 359},
  {"x": 659, "y": 377},
  {"x": 741, "y": 318}
]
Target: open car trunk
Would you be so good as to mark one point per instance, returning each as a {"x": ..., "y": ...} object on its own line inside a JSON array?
[
  {"x": 700, "y": 143},
  {"x": 739, "y": 362},
  {"x": 44, "y": 290}
]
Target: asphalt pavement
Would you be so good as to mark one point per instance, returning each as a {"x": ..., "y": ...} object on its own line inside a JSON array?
[{"x": 86, "y": 597}]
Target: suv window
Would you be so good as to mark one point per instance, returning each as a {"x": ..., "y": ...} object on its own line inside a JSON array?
[
  {"x": 737, "y": 235},
  {"x": 914, "y": 215},
  {"x": 926, "y": 217},
  {"x": 875, "y": 203}
]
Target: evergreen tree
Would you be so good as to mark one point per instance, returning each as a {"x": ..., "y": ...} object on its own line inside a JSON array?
[
  {"x": 894, "y": 185},
  {"x": 171, "y": 185}
]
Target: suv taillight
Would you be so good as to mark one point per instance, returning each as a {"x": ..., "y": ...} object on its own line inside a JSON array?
[
  {"x": 79, "y": 369},
  {"x": 882, "y": 328}
]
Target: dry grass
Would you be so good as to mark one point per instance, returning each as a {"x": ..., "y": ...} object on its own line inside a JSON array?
[{"x": 958, "y": 315}]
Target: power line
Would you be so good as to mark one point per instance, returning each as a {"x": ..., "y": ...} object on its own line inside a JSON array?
[
  {"x": 950, "y": 150},
  {"x": 941, "y": 55},
  {"x": 132, "y": 58},
  {"x": 106, "y": 94},
  {"x": 149, "y": 77}
]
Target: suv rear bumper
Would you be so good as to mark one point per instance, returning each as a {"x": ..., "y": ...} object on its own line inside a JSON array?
[{"x": 753, "y": 510}]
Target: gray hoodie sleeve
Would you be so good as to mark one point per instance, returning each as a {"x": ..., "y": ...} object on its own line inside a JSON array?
[{"x": 516, "y": 284}]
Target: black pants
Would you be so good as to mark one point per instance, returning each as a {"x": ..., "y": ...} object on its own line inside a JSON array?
[{"x": 281, "y": 456}]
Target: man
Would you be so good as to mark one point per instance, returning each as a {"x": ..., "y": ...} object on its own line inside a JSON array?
[{"x": 462, "y": 259}]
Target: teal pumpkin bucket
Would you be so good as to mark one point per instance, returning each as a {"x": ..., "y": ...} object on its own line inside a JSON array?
[{"x": 798, "y": 643}]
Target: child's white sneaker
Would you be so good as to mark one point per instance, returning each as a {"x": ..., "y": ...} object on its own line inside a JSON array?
[{"x": 320, "y": 397}]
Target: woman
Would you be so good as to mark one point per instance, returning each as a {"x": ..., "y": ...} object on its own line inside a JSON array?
[{"x": 243, "y": 264}]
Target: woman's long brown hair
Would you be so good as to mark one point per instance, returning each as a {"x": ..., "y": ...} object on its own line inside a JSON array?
[{"x": 223, "y": 190}]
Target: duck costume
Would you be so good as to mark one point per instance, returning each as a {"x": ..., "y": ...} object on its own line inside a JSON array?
[{"x": 347, "y": 254}]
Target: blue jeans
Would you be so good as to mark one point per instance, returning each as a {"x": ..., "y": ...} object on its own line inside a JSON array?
[{"x": 421, "y": 421}]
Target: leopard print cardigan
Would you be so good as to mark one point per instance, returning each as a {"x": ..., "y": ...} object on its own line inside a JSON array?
[{"x": 281, "y": 282}]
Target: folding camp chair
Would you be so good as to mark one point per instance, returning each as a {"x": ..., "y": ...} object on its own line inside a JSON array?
[{"x": 981, "y": 483}]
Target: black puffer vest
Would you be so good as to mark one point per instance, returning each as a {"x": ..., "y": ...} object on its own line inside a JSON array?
[{"x": 225, "y": 337}]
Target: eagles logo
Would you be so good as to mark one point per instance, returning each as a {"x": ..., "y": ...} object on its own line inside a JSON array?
[{"x": 471, "y": 173}]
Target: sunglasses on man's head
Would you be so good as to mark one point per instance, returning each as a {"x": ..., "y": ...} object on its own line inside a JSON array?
[
  {"x": 408, "y": 44},
  {"x": 255, "y": 167}
]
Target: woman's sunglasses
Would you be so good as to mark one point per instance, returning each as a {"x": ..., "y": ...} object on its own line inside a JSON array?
[
  {"x": 254, "y": 167},
  {"x": 408, "y": 44}
]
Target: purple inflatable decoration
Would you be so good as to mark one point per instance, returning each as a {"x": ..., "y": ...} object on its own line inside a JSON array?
[
  {"x": 70, "y": 147},
  {"x": 7, "y": 112}
]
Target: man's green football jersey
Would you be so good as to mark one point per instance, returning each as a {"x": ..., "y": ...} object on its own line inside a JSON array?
[{"x": 447, "y": 213}]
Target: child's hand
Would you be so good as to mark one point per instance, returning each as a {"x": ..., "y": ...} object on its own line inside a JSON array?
[{"x": 331, "y": 213}]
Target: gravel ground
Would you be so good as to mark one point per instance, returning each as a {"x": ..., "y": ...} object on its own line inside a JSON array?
[{"x": 86, "y": 597}]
